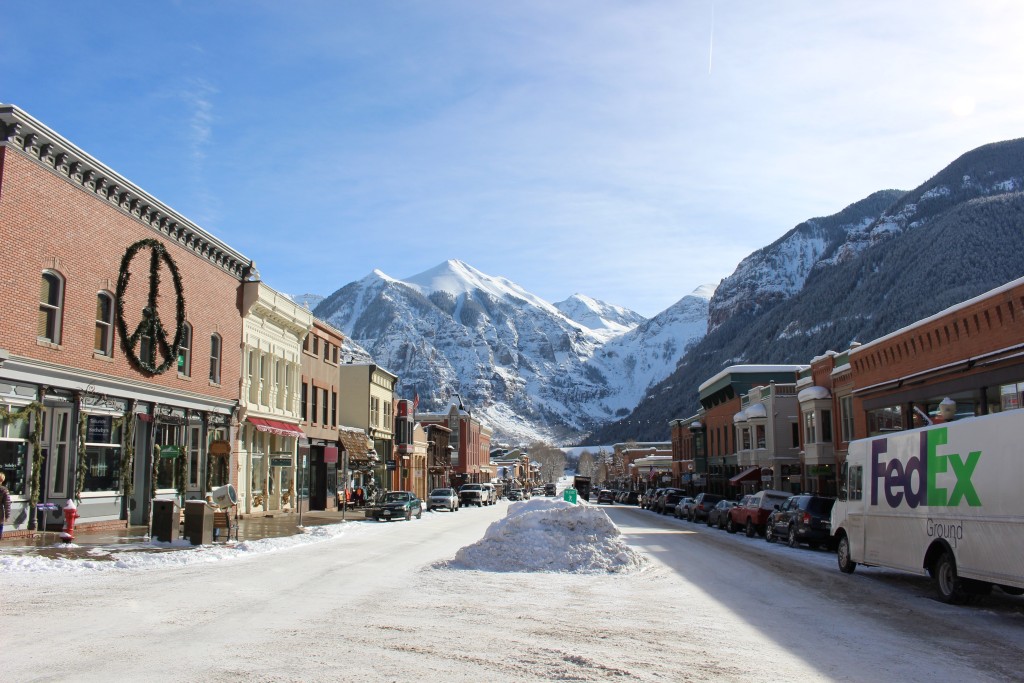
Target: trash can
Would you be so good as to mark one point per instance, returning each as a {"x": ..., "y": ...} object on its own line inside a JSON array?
[
  {"x": 198, "y": 522},
  {"x": 569, "y": 495},
  {"x": 165, "y": 521}
]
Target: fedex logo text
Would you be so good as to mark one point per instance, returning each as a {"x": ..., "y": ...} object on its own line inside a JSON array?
[{"x": 916, "y": 481}]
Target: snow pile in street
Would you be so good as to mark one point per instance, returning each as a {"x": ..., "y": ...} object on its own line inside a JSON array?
[{"x": 544, "y": 535}]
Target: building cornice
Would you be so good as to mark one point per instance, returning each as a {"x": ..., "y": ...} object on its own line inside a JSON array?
[{"x": 44, "y": 146}]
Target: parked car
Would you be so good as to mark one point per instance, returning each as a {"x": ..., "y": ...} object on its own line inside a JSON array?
[
  {"x": 669, "y": 500},
  {"x": 606, "y": 496},
  {"x": 720, "y": 513},
  {"x": 397, "y": 505},
  {"x": 682, "y": 509},
  {"x": 473, "y": 494},
  {"x": 550, "y": 489},
  {"x": 803, "y": 518},
  {"x": 659, "y": 501},
  {"x": 443, "y": 498},
  {"x": 702, "y": 505},
  {"x": 631, "y": 498},
  {"x": 751, "y": 515},
  {"x": 515, "y": 494}
]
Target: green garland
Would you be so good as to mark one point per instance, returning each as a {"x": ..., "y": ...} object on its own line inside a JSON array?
[
  {"x": 128, "y": 452},
  {"x": 83, "y": 463},
  {"x": 181, "y": 471},
  {"x": 158, "y": 336},
  {"x": 33, "y": 411}
]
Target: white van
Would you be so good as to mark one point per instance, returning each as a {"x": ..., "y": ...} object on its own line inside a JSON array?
[{"x": 943, "y": 500}]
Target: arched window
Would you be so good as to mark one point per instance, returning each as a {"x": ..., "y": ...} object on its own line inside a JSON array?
[
  {"x": 185, "y": 351},
  {"x": 104, "y": 343},
  {"x": 215, "y": 358},
  {"x": 51, "y": 305}
]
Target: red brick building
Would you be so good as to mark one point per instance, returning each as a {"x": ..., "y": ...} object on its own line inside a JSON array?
[{"x": 120, "y": 343}]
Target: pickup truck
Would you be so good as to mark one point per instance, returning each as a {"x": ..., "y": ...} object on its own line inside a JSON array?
[
  {"x": 474, "y": 494},
  {"x": 751, "y": 515}
]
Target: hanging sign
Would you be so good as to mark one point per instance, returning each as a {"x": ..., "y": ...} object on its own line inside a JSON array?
[
  {"x": 220, "y": 449},
  {"x": 281, "y": 461},
  {"x": 170, "y": 451}
]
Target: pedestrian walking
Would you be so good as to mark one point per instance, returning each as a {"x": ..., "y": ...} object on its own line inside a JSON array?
[{"x": 5, "y": 503}]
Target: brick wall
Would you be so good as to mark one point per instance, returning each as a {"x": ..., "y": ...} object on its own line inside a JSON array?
[{"x": 46, "y": 222}]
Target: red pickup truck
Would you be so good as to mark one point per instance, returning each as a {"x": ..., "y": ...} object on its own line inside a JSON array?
[{"x": 752, "y": 513}]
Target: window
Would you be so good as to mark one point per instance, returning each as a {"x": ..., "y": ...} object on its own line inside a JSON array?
[
  {"x": 826, "y": 426},
  {"x": 185, "y": 351},
  {"x": 1010, "y": 396},
  {"x": 102, "y": 454},
  {"x": 217, "y": 466},
  {"x": 278, "y": 389},
  {"x": 810, "y": 436},
  {"x": 846, "y": 417},
  {"x": 51, "y": 303},
  {"x": 167, "y": 435},
  {"x": 316, "y": 395},
  {"x": 253, "y": 383},
  {"x": 745, "y": 431},
  {"x": 316, "y": 346},
  {"x": 327, "y": 351},
  {"x": 215, "y": 358},
  {"x": 194, "y": 443},
  {"x": 334, "y": 408},
  {"x": 885, "y": 420},
  {"x": 104, "y": 324},
  {"x": 59, "y": 461},
  {"x": 326, "y": 407},
  {"x": 302, "y": 401},
  {"x": 335, "y": 355},
  {"x": 305, "y": 343},
  {"x": 760, "y": 436},
  {"x": 14, "y": 453},
  {"x": 374, "y": 411}
]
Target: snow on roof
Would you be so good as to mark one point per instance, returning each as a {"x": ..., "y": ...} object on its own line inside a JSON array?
[
  {"x": 740, "y": 417},
  {"x": 544, "y": 535},
  {"x": 813, "y": 394},
  {"x": 749, "y": 370},
  {"x": 756, "y": 410}
]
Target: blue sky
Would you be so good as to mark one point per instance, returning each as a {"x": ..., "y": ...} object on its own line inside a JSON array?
[{"x": 631, "y": 150}]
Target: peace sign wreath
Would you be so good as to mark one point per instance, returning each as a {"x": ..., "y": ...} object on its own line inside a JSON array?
[{"x": 150, "y": 325}]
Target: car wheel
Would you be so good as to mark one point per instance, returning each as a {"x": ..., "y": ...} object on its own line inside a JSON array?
[
  {"x": 791, "y": 538},
  {"x": 730, "y": 526},
  {"x": 408, "y": 514},
  {"x": 769, "y": 534},
  {"x": 751, "y": 531},
  {"x": 846, "y": 565},
  {"x": 419, "y": 515},
  {"x": 708, "y": 521}
]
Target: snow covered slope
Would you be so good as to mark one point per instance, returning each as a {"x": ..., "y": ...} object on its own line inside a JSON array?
[{"x": 523, "y": 365}]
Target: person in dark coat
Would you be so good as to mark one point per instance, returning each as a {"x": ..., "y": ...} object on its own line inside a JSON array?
[{"x": 5, "y": 503}]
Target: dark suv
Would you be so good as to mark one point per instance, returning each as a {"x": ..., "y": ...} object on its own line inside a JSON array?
[
  {"x": 803, "y": 518},
  {"x": 702, "y": 505}
]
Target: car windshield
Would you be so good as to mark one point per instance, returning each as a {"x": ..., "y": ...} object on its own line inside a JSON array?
[
  {"x": 820, "y": 506},
  {"x": 441, "y": 492},
  {"x": 397, "y": 497}
]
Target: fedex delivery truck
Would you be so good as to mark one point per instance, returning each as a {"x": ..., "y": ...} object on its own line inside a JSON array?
[{"x": 945, "y": 500}]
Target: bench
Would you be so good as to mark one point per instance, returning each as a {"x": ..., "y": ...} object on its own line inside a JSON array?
[{"x": 222, "y": 520}]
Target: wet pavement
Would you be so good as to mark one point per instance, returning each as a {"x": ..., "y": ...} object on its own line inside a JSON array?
[{"x": 100, "y": 543}]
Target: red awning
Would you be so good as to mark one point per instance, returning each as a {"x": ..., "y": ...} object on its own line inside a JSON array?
[
  {"x": 275, "y": 427},
  {"x": 749, "y": 473}
]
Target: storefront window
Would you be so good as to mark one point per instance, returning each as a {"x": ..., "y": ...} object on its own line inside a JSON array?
[
  {"x": 1010, "y": 396},
  {"x": 102, "y": 454},
  {"x": 167, "y": 435},
  {"x": 13, "y": 463},
  {"x": 885, "y": 420}
]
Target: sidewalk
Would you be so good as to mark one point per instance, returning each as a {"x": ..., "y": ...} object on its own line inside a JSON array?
[{"x": 136, "y": 538}]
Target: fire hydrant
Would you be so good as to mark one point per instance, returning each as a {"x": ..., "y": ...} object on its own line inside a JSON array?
[{"x": 70, "y": 515}]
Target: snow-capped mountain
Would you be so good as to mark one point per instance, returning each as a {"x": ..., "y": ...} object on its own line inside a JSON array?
[
  {"x": 598, "y": 316},
  {"x": 519, "y": 362}
]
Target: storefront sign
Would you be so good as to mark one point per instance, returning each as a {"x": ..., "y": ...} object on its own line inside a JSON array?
[
  {"x": 170, "y": 451},
  {"x": 390, "y": 465},
  {"x": 98, "y": 430},
  {"x": 281, "y": 461},
  {"x": 331, "y": 454},
  {"x": 220, "y": 449}
]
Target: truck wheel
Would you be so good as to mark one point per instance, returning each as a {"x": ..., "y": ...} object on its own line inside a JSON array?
[
  {"x": 846, "y": 565},
  {"x": 947, "y": 583},
  {"x": 750, "y": 528}
]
